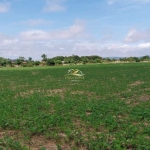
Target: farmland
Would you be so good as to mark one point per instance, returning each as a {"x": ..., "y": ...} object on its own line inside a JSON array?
[{"x": 108, "y": 110}]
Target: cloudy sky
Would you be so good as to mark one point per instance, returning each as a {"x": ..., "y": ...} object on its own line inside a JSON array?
[{"x": 107, "y": 28}]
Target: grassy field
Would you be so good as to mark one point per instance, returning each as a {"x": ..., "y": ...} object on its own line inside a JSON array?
[{"x": 108, "y": 110}]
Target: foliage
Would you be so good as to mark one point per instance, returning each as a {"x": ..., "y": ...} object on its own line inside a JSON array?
[
  {"x": 59, "y": 62},
  {"x": 74, "y": 59},
  {"x": 37, "y": 63},
  {"x": 44, "y": 57},
  {"x": 50, "y": 62}
]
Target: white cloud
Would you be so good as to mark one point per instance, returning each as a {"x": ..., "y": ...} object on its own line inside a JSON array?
[
  {"x": 4, "y": 7},
  {"x": 35, "y": 35},
  {"x": 127, "y": 2},
  {"x": 35, "y": 43},
  {"x": 74, "y": 31},
  {"x": 9, "y": 41},
  {"x": 15, "y": 47},
  {"x": 144, "y": 45},
  {"x": 110, "y": 49},
  {"x": 54, "y": 6},
  {"x": 34, "y": 22},
  {"x": 110, "y": 2},
  {"x": 135, "y": 36}
]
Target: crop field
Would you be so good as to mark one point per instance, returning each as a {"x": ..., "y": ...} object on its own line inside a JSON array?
[{"x": 108, "y": 110}]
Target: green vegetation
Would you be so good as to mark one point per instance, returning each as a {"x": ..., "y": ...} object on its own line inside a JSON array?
[
  {"x": 68, "y": 60},
  {"x": 108, "y": 110}
]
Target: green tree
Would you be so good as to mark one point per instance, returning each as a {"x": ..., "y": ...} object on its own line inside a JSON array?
[
  {"x": 3, "y": 62},
  {"x": 37, "y": 63},
  {"x": 145, "y": 58},
  {"x": 30, "y": 59},
  {"x": 58, "y": 62},
  {"x": 18, "y": 62},
  {"x": 108, "y": 59},
  {"x": 22, "y": 58},
  {"x": 9, "y": 62},
  {"x": 58, "y": 58},
  {"x": 50, "y": 62},
  {"x": 44, "y": 57}
]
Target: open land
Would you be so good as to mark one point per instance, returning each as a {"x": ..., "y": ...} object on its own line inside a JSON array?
[{"x": 108, "y": 110}]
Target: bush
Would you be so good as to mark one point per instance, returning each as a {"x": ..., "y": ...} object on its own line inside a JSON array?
[{"x": 50, "y": 62}]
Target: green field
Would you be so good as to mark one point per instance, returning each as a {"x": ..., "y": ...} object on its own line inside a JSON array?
[{"x": 108, "y": 110}]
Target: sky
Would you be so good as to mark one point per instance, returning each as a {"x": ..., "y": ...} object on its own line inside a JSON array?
[{"x": 108, "y": 28}]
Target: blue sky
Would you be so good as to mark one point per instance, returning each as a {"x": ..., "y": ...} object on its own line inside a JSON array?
[{"x": 107, "y": 28}]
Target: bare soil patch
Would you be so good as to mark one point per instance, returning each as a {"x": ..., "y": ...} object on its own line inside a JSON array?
[
  {"x": 77, "y": 92},
  {"x": 10, "y": 133},
  {"x": 39, "y": 141},
  {"x": 50, "y": 92},
  {"x": 60, "y": 92},
  {"x": 137, "y": 100},
  {"x": 88, "y": 94},
  {"x": 24, "y": 94},
  {"x": 34, "y": 72},
  {"x": 136, "y": 83},
  {"x": 47, "y": 78},
  {"x": 144, "y": 97}
]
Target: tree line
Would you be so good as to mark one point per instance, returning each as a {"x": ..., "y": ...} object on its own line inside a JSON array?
[{"x": 60, "y": 60}]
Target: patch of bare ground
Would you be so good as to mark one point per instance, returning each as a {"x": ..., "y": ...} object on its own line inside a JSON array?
[
  {"x": 92, "y": 95},
  {"x": 47, "y": 78},
  {"x": 116, "y": 94},
  {"x": 56, "y": 90},
  {"x": 101, "y": 129},
  {"x": 34, "y": 72},
  {"x": 60, "y": 92},
  {"x": 81, "y": 128},
  {"x": 24, "y": 94},
  {"x": 77, "y": 92},
  {"x": 111, "y": 139},
  {"x": 137, "y": 100},
  {"x": 52, "y": 110},
  {"x": 24, "y": 85},
  {"x": 12, "y": 85},
  {"x": 14, "y": 134},
  {"x": 88, "y": 94},
  {"x": 127, "y": 91},
  {"x": 50, "y": 92},
  {"x": 147, "y": 89},
  {"x": 78, "y": 124},
  {"x": 2, "y": 134},
  {"x": 119, "y": 94},
  {"x": 84, "y": 128},
  {"x": 136, "y": 83},
  {"x": 146, "y": 124},
  {"x": 114, "y": 79},
  {"x": 144, "y": 97},
  {"x": 88, "y": 112},
  {"x": 121, "y": 117},
  {"x": 133, "y": 101},
  {"x": 37, "y": 142},
  {"x": 6, "y": 133}
]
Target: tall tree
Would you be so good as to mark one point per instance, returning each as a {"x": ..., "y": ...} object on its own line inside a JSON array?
[
  {"x": 44, "y": 57},
  {"x": 50, "y": 62},
  {"x": 30, "y": 59}
]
